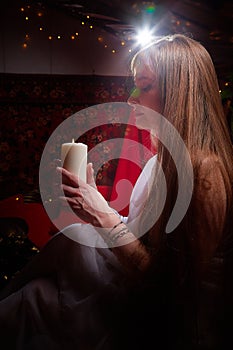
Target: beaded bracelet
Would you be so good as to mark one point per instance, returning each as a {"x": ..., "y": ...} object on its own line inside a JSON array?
[
  {"x": 117, "y": 235},
  {"x": 115, "y": 227}
]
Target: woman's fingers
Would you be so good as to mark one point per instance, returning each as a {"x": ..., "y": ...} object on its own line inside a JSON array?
[
  {"x": 83, "y": 198},
  {"x": 90, "y": 175},
  {"x": 68, "y": 178},
  {"x": 70, "y": 191},
  {"x": 73, "y": 202}
]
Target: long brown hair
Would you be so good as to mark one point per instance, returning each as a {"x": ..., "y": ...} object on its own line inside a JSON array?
[{"x": 189, "y": 93}]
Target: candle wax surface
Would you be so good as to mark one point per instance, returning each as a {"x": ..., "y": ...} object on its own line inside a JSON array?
[{"x": 74, "y": 158}]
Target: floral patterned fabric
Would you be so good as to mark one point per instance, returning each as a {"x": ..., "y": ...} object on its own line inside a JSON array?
[{"x": 32, "y": 106}]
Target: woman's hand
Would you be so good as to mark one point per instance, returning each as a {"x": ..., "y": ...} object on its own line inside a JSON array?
[
  {"x": 85, "y": 200},
  {"x": 90, "y": 176}
]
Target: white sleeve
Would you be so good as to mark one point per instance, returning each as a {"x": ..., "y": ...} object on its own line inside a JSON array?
[{"x": 141, "y": 189}]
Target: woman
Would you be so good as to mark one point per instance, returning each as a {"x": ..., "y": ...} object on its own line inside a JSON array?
[{"x": 172, "y": 289}]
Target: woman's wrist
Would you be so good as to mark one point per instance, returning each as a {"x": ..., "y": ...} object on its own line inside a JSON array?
[
  {"x": 114, "y": 231},
  {"x": 119, "y": 235},
  {"x": 108, "y": 220}
]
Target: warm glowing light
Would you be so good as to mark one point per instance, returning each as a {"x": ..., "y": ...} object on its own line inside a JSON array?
[
  {"x": 72, "y": 37},
  {"x": 144, "y": 36},
  {"x": 226, "y": 84},
  {"x": 113, "y": 51},
  {"x": 27, "y": 36},
  {"x": 17, "y": 198},
  {"x": 39, "y": 14},
  {"x": 41, "y": 28},
  {"x": 22, "y": 9},
  {"x": 76, "y": 33},
  {"x": 59, "y": 36},
  {"x": 88, "y": 16},
  {"x": 122, "y": 43},
  {"x": 26, "y": 18},
  {"x": 83, "y": 23},
  {"x": 130, "y": 50},
  {"x": 24, "y": 45},
  {"x": 34, "y": 248},
  {"x": 50, "y": 37},
  {"x": 105, "y": 46},
  {"x": 91, "y": 27}
]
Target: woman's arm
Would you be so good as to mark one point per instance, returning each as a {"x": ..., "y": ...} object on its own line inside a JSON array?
[{"x": 89, "y": 205}]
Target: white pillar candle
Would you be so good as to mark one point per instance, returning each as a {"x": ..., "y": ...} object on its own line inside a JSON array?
[{"x": 74, "y": 158}]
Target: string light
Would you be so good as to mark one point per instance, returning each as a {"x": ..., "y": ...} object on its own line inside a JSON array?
[
  {"x": 32, "y": 11},
  {"x": 36, "y": 12}
]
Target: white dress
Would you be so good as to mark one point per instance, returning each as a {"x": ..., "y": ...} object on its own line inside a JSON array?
[{"x": 67, "y": 296}]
